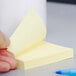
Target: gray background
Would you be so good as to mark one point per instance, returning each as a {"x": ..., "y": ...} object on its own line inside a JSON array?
[{"x": 61, "y": 29}]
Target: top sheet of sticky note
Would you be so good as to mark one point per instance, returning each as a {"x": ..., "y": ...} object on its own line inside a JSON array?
[{"x": 29, "y": 32}]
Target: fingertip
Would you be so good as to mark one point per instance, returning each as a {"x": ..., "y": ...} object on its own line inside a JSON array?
[
  {"x": 14, "y": 64},
  {"x": 4, "y": 67}
]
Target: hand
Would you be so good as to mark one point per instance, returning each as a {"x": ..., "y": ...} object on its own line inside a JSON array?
[{"x": 7, "y": 60}]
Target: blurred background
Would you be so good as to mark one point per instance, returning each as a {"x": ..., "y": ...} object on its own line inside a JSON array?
[
  {"x": 61, "y": 22},
  {"x": 64, "y": 1}
]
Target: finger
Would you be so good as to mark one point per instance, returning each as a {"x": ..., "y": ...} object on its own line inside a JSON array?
[
  {"x": 4, "y": 67},
  {"x": 4, "y": 40},
  {"x": 6, "y": 53},
  {"x": 11, "y": 61}
]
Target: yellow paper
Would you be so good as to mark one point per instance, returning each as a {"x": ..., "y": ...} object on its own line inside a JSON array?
[
  {"x": 44, "y": 54},
  {"x": 29, "y": 47},
  {"x": 29, "y": 33}
]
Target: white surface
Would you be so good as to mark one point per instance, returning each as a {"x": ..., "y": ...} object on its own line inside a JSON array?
[
  {"x": 61, "y": 25},
  {"x": 12, "y": 12}
]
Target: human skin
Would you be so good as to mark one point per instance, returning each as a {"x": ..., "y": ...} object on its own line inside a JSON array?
[{"x": 7, "y": 59}]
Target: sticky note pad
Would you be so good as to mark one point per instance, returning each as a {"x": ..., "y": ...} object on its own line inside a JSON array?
[
  {"x": 45, "y": 54},
  {"x": 29, "y": 47}
]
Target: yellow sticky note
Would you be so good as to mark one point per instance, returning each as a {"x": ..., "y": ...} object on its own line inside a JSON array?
[
  {"x": 44, "y": 54},
  {"x": 29, "y": 47},
  {"x": 29, "y": 33}
]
